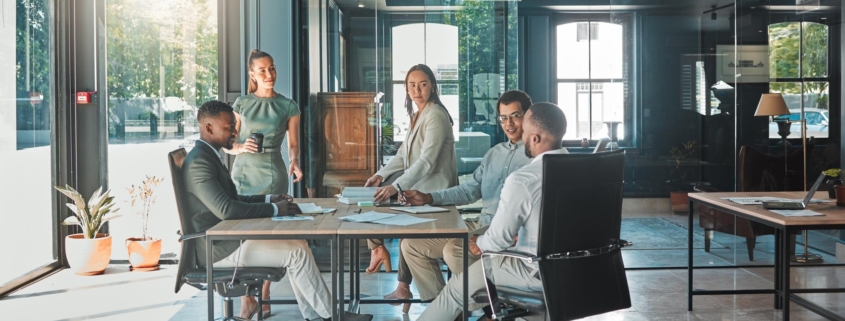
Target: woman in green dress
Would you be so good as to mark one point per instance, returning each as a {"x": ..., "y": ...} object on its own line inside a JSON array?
[{"x": 264, "y": 111}]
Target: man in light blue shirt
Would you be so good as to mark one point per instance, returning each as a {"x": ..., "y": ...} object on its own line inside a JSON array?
[
  {"x": 422, "y": 256},
  {"x": 516, "y": 223}
]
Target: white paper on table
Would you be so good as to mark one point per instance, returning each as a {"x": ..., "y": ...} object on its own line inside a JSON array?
[
  {"x": 751, "y": 200},
  {"x": 367, "y": 217},
  {"x": 403, "y": 220},
  {"x": 328, "y": 210},
  {"x": 797, "y": 213},
  {"x": 293, "y": 218},
  {"x": 310, "y": 208}
]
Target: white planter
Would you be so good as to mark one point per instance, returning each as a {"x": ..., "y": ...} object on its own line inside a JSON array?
[
  {"x": 88, "y": 256},
  {"x": 143, "y": 254}
]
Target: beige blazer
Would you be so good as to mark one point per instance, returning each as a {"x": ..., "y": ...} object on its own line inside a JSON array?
[{"x": 427, "y": 155}]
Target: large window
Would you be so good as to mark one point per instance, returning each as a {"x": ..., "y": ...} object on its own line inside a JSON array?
[
  {"x": 591, "y": 77},
  {"x": 25, "y": 137},
  {"x": 162, "y": 65},
  {"x": 442, "y": 59},
  {"x": 798, "y": 69}
]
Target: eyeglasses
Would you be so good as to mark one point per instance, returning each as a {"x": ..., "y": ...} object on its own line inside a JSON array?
[{"x": 515, "y": 116}]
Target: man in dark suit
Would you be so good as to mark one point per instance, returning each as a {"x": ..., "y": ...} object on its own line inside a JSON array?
[{"x": 212, "y": 197}]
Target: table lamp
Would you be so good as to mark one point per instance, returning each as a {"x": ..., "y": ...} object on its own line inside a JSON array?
[{"x": 773, "y": 105}]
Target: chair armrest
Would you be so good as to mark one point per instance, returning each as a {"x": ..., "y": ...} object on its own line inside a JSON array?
[
  {"x": 705, "y": 188},
  {"x": 619, "y": 244},
  {"x": 514, "y": 254},
  {"x": 189, "y": 236}
]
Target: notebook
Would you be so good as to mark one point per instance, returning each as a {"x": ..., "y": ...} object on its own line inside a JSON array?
[
  {"x": 310, "y": 208},
  {"x": 420, "y": 209},
  {"x": 353, "y": 195}
]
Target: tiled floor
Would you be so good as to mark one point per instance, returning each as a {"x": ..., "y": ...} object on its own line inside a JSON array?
[{"x": 656, "y": 295}]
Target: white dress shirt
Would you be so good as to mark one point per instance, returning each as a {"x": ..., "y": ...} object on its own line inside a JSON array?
[
  {"x": 220, "y": 156},
  {"x": 519, "y": 210}
]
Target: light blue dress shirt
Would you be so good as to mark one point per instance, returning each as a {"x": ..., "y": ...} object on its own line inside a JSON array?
[{"x": 487, "y": 180}]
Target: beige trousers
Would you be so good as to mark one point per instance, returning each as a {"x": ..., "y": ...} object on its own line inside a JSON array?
[
  {"x": 310, "y": 290},
  {"x": 422, "y": 257},
  {"x": 504, "y": 271}
]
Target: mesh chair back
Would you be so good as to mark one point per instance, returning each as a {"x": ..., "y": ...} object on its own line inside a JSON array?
[
  {"x": 187, "y": 258},
  {"x": 582, "y": 210}
]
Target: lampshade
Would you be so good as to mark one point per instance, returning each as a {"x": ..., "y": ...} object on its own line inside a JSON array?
[{"x": 771, "y": 105}]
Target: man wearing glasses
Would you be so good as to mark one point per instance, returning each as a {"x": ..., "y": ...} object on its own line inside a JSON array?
[{"x": 422, "y": 255}]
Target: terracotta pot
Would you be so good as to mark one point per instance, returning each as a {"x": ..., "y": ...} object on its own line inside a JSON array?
[
  {"x": 840, "y": 195},
  {"x": 88, "y": 256},
  {"x": 680, "y": 202},
  {"x": 143, "y": 254}
]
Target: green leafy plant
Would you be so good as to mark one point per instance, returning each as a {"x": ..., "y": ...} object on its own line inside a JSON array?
[
  {"x": 144, "y": 194},
  {"x": 89, "y": 215},
  {"x": 833, "y": 173},
  {"x": 679, "y": 154}
]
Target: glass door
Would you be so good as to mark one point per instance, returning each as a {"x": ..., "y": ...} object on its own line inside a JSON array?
[{"x": 26, "y": 152}]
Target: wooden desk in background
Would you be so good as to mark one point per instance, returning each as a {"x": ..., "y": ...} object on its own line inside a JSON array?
[{"x": 834, "y": 218}]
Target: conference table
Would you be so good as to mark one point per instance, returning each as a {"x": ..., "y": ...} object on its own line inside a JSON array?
[
  {"x": 330, "y": 227},
  {"x": 833, "y": 218}
]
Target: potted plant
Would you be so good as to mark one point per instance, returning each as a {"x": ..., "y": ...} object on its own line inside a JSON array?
[
  {"x": 88, "y": 253},
  {"x": 678, "y": 180},
  {"x": 834, "y": 177},
  {"x": 144, "y": 252}
]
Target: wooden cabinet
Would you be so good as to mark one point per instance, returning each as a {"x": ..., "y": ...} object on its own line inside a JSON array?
[{"x": 349, "y": 142}]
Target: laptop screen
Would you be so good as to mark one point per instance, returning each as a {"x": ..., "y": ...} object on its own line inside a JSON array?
[{"x": 812, "y": 191}]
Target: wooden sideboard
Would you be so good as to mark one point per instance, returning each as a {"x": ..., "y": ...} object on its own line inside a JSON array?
[{"x": 349, "y": 142}]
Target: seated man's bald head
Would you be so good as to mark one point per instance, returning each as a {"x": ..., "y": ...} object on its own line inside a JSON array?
[{"x": 548, "y": 118}]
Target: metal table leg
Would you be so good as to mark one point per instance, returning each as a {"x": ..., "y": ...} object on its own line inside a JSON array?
[
  {"x": 689, "y": 256},
  {"x": 784, "y": 257},
  {"x": 208, "y": 270},
  {"x": 465, "y": 276}
]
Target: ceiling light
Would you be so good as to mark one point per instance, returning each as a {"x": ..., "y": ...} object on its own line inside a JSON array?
[
  {"x": 360, "y": 5},
  {"x": 713, "y": 15}
]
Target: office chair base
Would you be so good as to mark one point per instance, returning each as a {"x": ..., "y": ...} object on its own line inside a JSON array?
[
  {"x": 807, "y": 258},
  {"x": 510, "y": 313}
]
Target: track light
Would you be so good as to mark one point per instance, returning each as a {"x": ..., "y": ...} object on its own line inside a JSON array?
[{"x": 713, "y": 15}]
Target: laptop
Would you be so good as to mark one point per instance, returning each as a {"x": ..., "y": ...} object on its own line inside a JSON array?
[{"x": 795, "y": 205}]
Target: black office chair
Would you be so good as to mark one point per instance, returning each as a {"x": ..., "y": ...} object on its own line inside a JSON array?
[
  {"x": 246, "y": 280},
  {"x": 579, "y": 249}
]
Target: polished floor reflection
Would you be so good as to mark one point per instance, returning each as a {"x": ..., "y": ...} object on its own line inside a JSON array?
[{"x": 656, "y": 295}]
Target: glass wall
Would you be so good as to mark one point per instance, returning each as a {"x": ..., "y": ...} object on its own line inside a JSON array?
[
  {"x": 162, "y": 65},
  {"x": 26, "y": 91},
  {"x": 471, "y": 48}
]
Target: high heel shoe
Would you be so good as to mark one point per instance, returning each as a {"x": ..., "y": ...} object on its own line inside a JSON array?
[
  {"x": 394, "y": 296},
  {"x": 252, "y": 313},
  {"x": 384, "y": 260}
]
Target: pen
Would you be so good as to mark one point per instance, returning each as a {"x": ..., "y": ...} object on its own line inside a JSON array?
[{"x": 401, "y": 193}]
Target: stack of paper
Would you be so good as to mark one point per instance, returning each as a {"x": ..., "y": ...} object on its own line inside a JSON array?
[
  {"x": 420, "y": 209},
  {"x": 353, "y": 195},
  {"x": 310, "y": 208},
  {"x": 385, "y": 218}
]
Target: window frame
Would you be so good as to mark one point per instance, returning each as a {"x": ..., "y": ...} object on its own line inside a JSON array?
[
  {"x": 628, "y": 79},
  {"x": 801, "y": 80}
]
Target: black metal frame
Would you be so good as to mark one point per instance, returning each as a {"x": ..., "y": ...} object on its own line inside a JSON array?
[
  {"x": 354, "y": 299},
  {"x": 210, "y": 246},
  {"x": 783, "y": 295}
]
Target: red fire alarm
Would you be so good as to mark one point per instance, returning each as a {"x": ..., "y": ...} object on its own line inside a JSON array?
[{"x": 84, "y": 97}]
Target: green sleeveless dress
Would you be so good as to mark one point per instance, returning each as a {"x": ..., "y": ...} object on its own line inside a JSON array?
[{"x": 264, "y": 173}]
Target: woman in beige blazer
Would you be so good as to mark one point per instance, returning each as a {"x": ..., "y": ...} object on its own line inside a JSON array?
[{"x": 427, "y": 155}]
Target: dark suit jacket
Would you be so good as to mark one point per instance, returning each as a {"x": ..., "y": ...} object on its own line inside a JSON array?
[{"x": 212, "y": 197}]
